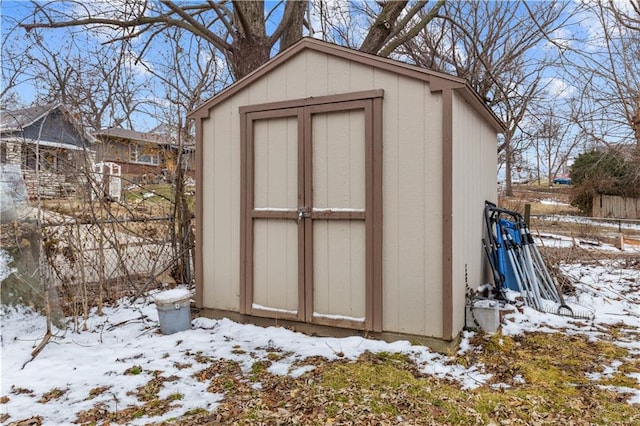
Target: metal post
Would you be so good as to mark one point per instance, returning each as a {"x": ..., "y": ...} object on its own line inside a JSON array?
[{"x": 527, "y": 214}]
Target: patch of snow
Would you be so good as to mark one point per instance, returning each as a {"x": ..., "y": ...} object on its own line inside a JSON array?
[
  {"x": 563, "y": 241},
  {"x": 612, "y": 223},
  {"x": 127, "y": 335},
  {"x": 465, "y": 344},
  {"x": 553, "y": 203},
  {"x": 267, "y": 308},
  {"x": 5, "y": 260},
  {"x": 338, "y": 317},
  {"x": 174, "y": 295}
]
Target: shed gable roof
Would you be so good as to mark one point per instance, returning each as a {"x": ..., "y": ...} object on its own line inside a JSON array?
[{"x": 437, "y": 80}]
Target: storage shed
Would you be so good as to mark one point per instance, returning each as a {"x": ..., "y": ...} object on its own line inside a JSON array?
[{"x": 338, "y": 190}]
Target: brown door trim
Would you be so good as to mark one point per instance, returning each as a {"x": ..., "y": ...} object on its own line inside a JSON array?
[
  {"x": 249, "y": 213},
  {"x": 371, "y": 103},
  {"x": 311, "y": 101}
]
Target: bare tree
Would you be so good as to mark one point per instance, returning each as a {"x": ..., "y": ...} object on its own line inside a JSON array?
[
  {"x": 184, "y": 88},
  {"x": 100, "y": 86},
  {"x": 243, "y": 31},
  {"x": 14, "y": 62},
  {"x": 608, "y": 70},
  {"x": 495, "y": 46},
  {"x": 555, "y": 140},
  {"x": 627, "y": 16}
]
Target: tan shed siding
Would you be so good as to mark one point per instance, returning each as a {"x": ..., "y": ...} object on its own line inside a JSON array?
[
  {"x": 299, "y": 78},
  {"x": 474, "y": 181},
  {"x": 221, "y": 207},
  {"x": 318, "y": 63},
  {"x": 295, "y": 85},
  {"x": 412, "y": 284}
]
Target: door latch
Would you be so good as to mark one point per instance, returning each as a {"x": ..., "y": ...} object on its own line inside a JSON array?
[{"x": 303, "y": 212}]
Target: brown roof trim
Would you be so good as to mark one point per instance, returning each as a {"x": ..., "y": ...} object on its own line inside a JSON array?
[{"x": 438, "y": 81}]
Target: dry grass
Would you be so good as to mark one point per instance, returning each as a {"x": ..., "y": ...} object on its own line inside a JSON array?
[
  {"x": 539, "y": 197},
  {"x": 539, "y": 378},
  {"x": 556, "y": 203}
]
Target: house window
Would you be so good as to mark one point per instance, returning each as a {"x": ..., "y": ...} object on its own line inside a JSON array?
[
  {"x": 48, "y": 160},
  {"x": 143, "y": 155},
  {"x": 29, "y": 158}
]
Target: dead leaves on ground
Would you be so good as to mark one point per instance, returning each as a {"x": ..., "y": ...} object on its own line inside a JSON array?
[
  {"x": 537, "y": 378},
  {"x": 148, "y": 395},
  {"x": 542, "y": 379}
]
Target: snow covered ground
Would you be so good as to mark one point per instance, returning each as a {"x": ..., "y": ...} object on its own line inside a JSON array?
[{"x": 122, "y": 349}]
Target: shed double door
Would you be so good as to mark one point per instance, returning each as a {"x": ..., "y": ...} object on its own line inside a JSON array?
[{"x": 308, "y": 243}]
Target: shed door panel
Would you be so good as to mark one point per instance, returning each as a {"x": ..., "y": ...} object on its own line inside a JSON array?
[
  {"x": 338, "y": 147},
  {"x": 275, "y": 266},
  {"x": 275, "y": 147},
  {"x": 275, "y": 270},
  {"x": 339, "y": 192},
  {"x": 339, "y": 274}
]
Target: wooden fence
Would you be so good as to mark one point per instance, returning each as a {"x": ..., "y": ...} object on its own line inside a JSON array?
[{"x": 614, "y": 206}]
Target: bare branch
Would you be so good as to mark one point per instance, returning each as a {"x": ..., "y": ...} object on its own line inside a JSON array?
[
  {"x": 196, "y": 27},
  {"x": 383, "y": 26},
  {"x": 424, "y": 21}
]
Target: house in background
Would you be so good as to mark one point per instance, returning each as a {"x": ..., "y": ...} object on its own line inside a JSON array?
[
  {"x": 48, "y": 145},
  {"x": 144, "y": 156}
]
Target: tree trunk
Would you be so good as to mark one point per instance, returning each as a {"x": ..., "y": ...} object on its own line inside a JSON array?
[
  {"x": 251, "y": 47},
  {"x": 294, "y": 12},
  {"x": 508, "y": 166},
  {"x": 636, "y": 125},
  {"x": 382, "y": 27}
]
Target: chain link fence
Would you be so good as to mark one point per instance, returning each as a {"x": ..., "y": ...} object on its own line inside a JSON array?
[
  {"x": 67, "y": 267},
  {"x": 125, "y": 255}
]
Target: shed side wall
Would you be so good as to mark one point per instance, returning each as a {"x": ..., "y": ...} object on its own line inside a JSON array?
[
  {"x": 412, "y": 211},
  {"x": 474, "y": 181}
]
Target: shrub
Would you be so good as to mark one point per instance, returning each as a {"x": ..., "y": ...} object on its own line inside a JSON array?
[{"x": 608, "y": 172}]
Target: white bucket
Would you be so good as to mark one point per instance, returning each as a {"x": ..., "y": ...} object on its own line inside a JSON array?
[{"x": 174, "y": 310}]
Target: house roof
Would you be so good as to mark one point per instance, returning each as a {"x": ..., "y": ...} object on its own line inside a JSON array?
[
  {"x": 11, "y": 121},
  {"x": 436, "y": 80},
  {"x": 133, "y": 135},
  {"x": 16, "y": 121}
]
